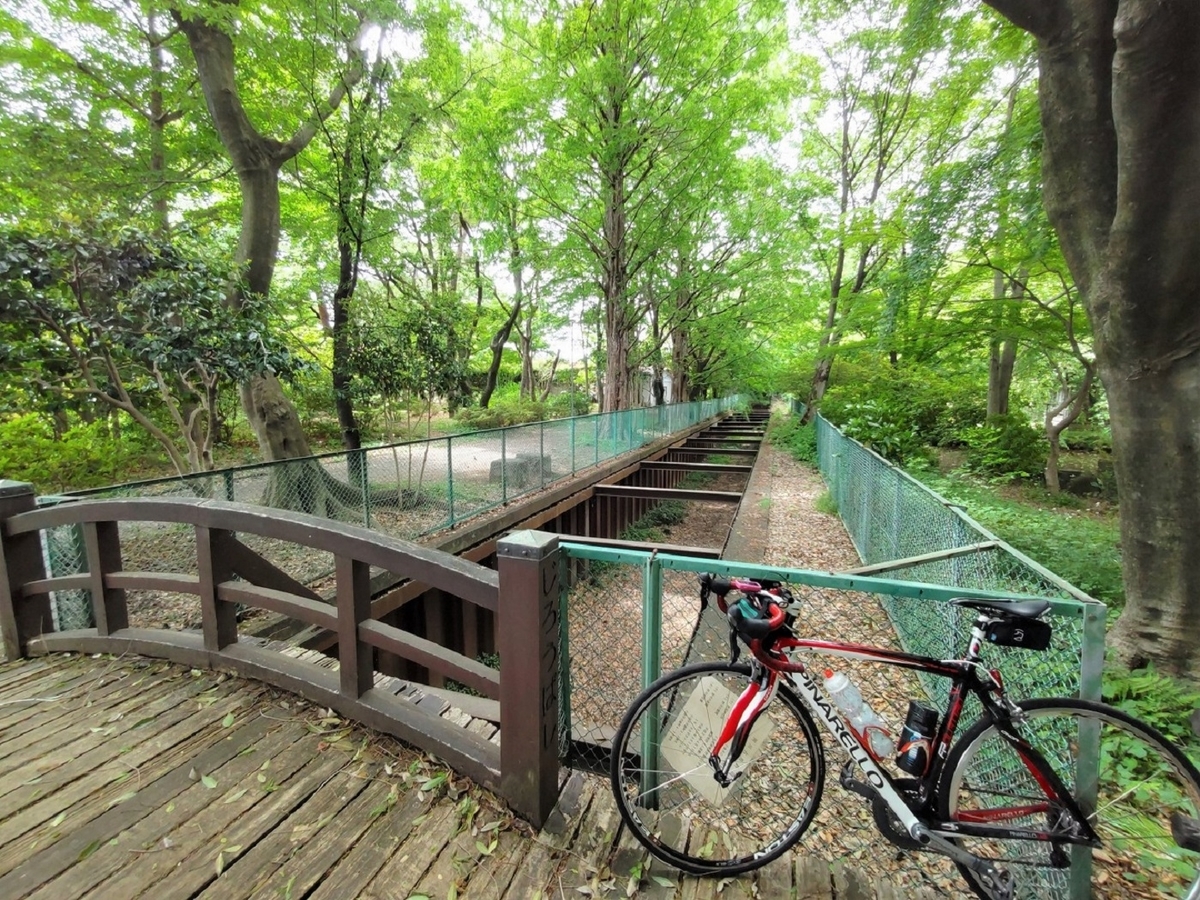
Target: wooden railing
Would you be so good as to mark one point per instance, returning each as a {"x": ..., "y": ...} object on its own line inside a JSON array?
[{"x": 523, "y": 594}]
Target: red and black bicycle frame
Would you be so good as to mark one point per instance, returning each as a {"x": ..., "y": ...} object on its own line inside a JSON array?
[{"x": 777, "y": 655}]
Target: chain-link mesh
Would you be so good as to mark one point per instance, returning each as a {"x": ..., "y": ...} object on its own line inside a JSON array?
[
  {"x": 404, "y": 490},
  {"x": 605, "y": 643},
  {"x": 63, "y": 553},
  {"x": 924, "y": 552}
]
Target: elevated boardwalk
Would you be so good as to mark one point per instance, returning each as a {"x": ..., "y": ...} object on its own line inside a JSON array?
[{"x": 125, "y": 777}]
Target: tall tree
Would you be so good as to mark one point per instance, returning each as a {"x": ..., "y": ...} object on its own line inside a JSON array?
[
  {"x": 101, "y": 110},
  {"x": 650, "y": 91},
  {"x": 257, "y": 159},
  {"x": 1120, "y": 104},
  {"x": 893, "y": 103}
]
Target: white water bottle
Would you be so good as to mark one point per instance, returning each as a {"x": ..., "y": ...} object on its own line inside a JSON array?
[{"x": 864, "y": 720}]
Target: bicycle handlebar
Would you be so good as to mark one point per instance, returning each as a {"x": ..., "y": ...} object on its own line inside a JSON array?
[{"x": 757, "y": 614}]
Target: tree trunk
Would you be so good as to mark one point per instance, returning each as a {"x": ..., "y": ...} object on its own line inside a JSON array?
[
  {"x": 499, "y": 339},
  {"x": 342, "y": 376},
  {"x": 1120, "y": 101},
  {"x": 256, "y": 160},
  {"x": 1002, "y": 356}
]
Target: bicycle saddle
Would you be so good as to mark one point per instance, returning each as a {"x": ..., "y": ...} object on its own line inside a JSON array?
[{"x": 1021, "y": 609}]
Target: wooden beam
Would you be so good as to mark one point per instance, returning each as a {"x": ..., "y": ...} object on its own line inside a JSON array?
[
  {"x": 698, "y": 467},
  {"x": 714, "y": 451},
  {"x": 622, "y": 490}
]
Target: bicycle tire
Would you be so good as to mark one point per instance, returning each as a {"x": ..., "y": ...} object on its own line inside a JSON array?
[
  {"x": 677, "y": 810},
  {"x": 1142, "y": 778}
]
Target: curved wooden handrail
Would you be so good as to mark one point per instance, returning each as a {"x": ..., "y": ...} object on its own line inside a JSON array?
[
  {"x": 455, "y": 576},
  {"x": 524, "y": 767}
]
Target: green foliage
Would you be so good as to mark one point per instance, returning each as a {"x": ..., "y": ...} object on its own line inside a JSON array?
[
  {"x": 1082, "y": 549},
  {"x": 798, "y": 439},
  {"x": 1156, "y": 699},
  {"x": 1006, "y": 447},
  {"x": 935, "y": 406},
  {"x": 826, "y": 503},
  {"x": 1088, "y": 438},
  {"x": 510, "y": 409},
  {"x": 887, "y": 430},
  {"x": 84, "y": 456},
  {"x": 131, "y": 321}
]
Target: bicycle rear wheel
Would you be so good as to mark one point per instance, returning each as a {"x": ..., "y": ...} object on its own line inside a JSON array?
[
  {"x": 1138, "y": 781},
  {"x": 666, "y": 790}
]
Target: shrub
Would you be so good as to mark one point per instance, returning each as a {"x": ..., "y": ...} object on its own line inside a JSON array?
[
  {"x": 935, "y": 407},
  {"x": 1155, "y": 699},
  {"x": 886, "y": 430},
  {"x": 799, "y": 440},
  {"x": 1006, "y": 447},
  {"x": 1089, "y": 438},
  {"x": 510, "y": 410},
  {"x": 86, "y": 456}
]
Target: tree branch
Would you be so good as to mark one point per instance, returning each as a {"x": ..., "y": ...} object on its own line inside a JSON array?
[
  {"x": 306, "y": 132},
  {"x": 1039, "y": 17}
]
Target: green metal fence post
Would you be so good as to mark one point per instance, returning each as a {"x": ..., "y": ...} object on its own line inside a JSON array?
[
  {"x": 596, "y": 443},
  {"x": 565, "y": 742},
  {"x": 450, "y": 479},
  {"x": 503, "y": 465},
  {"x": 572, "y": 445},
  {"x": 651, "y": 664},
  {"x": 542, "y": 452},
  {"x": 364, "y": 485}
]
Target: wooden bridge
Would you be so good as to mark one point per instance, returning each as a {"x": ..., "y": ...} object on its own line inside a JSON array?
[{"x": 123, "y": 777}]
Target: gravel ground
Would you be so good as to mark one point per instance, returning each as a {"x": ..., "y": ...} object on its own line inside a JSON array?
[{"x": 804, "y": 538}]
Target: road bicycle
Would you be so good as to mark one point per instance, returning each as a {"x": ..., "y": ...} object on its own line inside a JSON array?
[{"x": 718, "y": 767}]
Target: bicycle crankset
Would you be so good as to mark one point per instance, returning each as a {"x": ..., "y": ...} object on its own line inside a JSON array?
[{"x": 887, "y": 823}]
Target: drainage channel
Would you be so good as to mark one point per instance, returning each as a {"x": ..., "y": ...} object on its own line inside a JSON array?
[{"x": 633, "y": 504}]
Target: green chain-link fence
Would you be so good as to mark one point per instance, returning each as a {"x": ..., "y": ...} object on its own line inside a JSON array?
[
  {"x": 643, "y": 616},
  {"x": 404, "y": 490},
  {"x": 907, "y": 531}
]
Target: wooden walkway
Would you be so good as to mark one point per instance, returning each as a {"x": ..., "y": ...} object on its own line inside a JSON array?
[{"x": 124, "y": 778}]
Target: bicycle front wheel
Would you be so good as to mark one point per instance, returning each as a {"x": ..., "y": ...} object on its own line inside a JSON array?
[
  {"x": 668, "y": 793},
  {"x": 1129, "y": 780}
]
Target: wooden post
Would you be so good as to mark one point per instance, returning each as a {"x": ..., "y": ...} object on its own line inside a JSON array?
[
  {"x": 527, "y": 639},
  {"x": 103, "y": 543},
  {"x": 213, "y": 565},
  {"x": 20, "y": 562},
  {"x": 356, "y": 661}
]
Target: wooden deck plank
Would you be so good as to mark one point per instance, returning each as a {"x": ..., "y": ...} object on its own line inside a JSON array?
[
  {"x": 23, "y": 677},
  {"x": 206, "y": 827},
  {"x": 58, "y": 702},
  {"x": 78, "y": 752},
  {"x": 83, "y": 801},
  {"x": 267, "y": 815},
  {"x": 67, "y": 850},
  {"x": 630, "y": 867},
  {"x": 409, "y": 863},
  {"x": 587, "y": 865},
  {"x": 138, "y": 856},
  {"x": 814, "y": 881},
  {"x": 67, "y": 703},
  {"x": 494, "y": 873},
  {"x": 849, "y": 883},
  {"x": 386, "y": 833},
  {"x": 447, "y": 876},
  {"x": 774, "y": 880},
  {"x": 257, "y": 872},
  {"x": 544, "y": 857},
  {"x": 22, "y": 668},
  {"x": 316, "y": 852}
]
